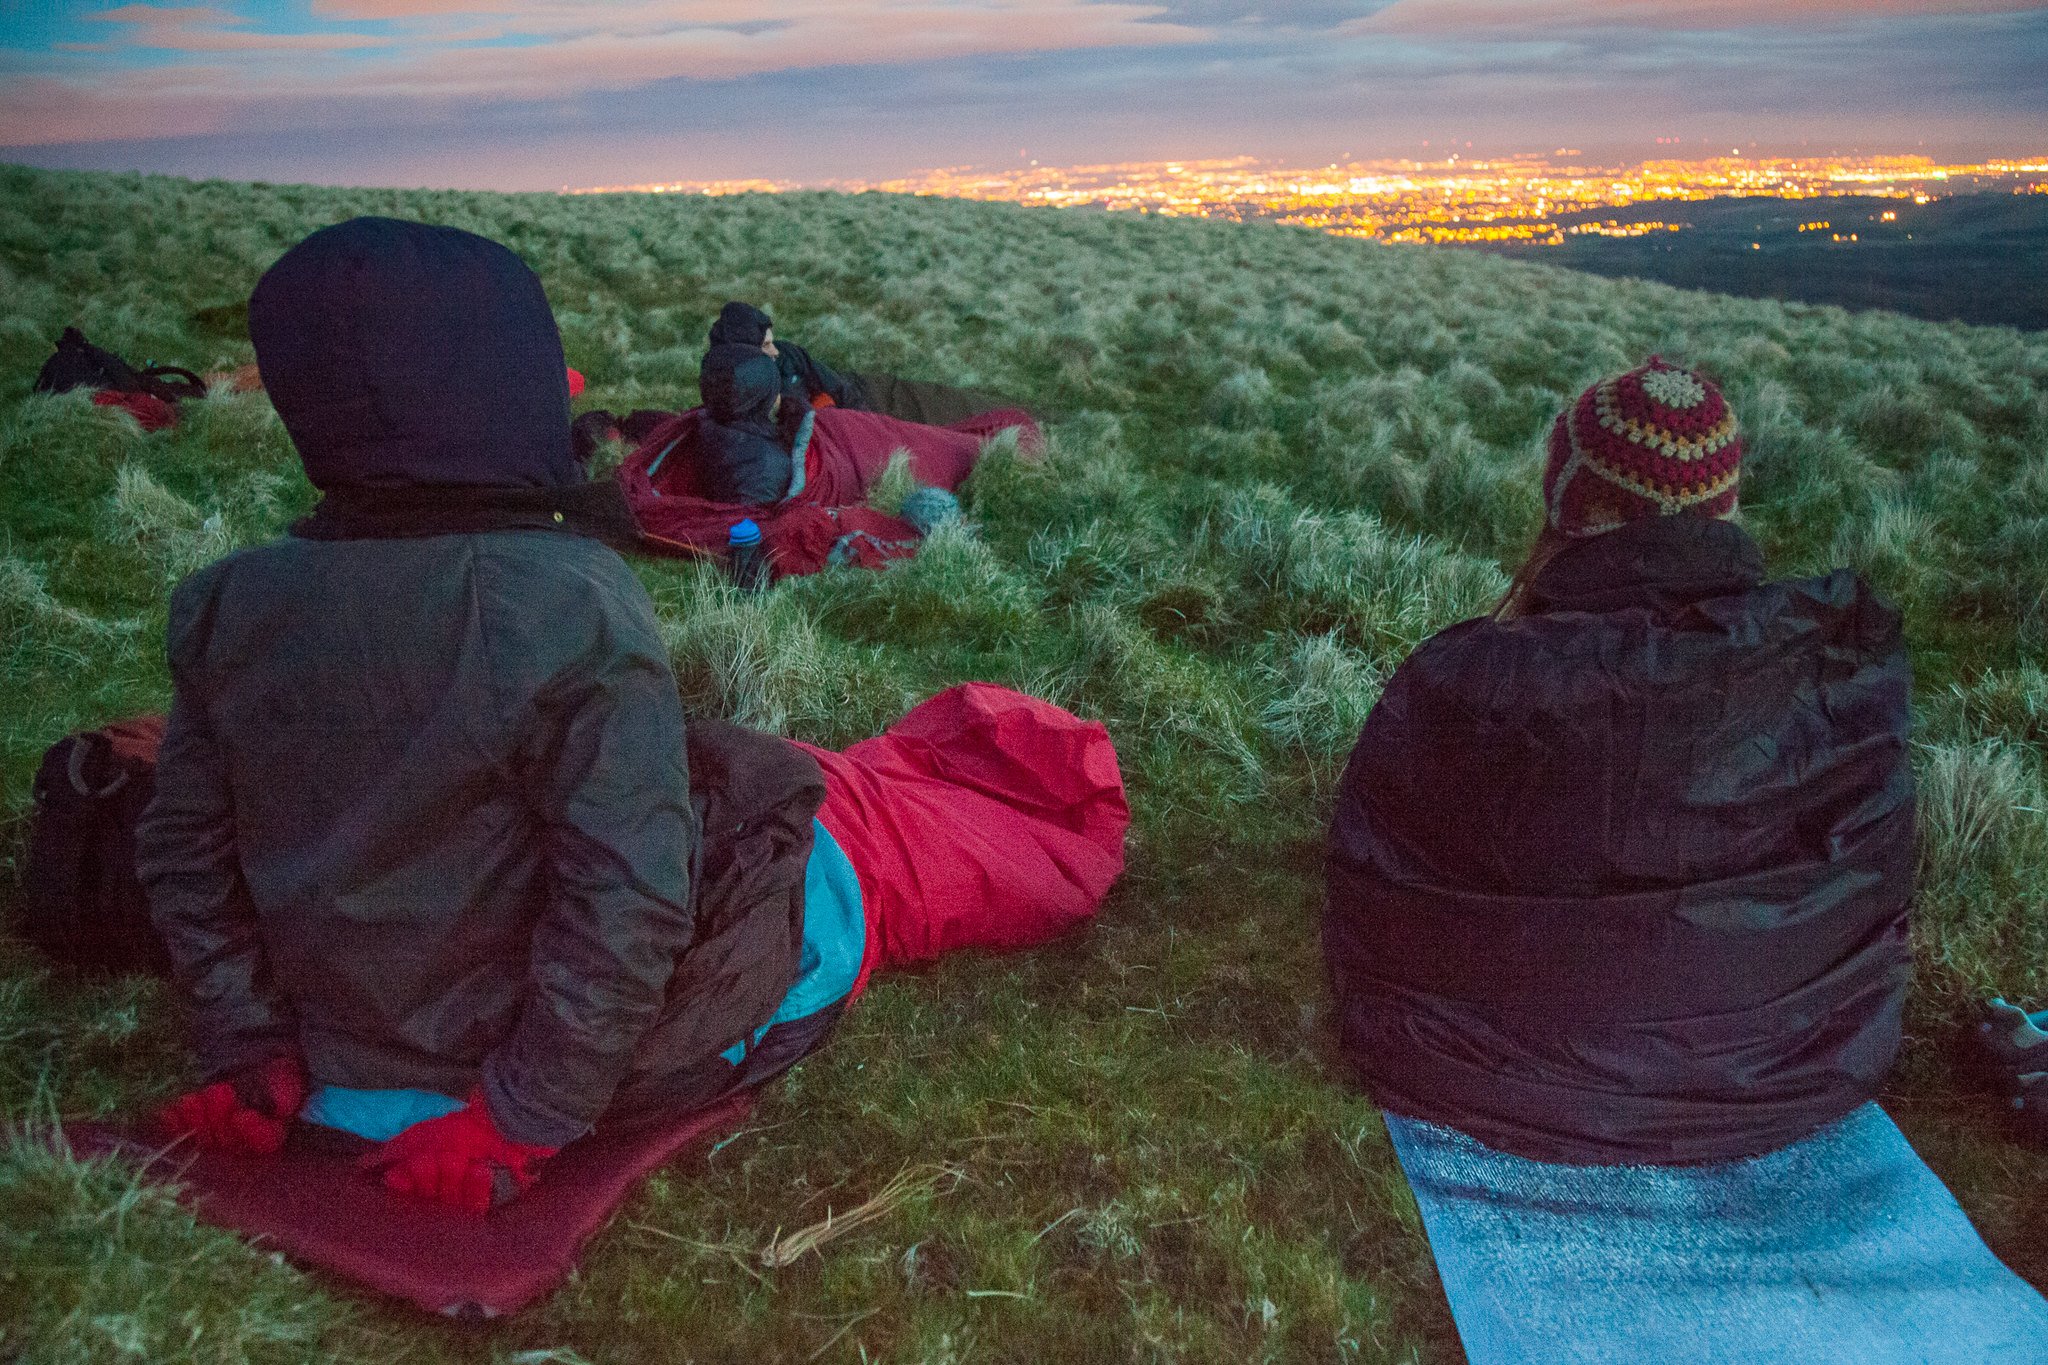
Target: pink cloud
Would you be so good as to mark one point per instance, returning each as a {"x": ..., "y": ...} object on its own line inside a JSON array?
[
  {"x": 201, "y": 28},
  {"x": 143, "y": 104},
  {"x": 629, "y": 51},
  {"x": 1458, "y": 16},
  {"x": 608, "y": 47}
]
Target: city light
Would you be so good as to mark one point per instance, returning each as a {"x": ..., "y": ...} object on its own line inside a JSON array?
[{"x": 1525, "y": 200}]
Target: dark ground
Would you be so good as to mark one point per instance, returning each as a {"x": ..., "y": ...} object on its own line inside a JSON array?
[{"x": 1979, "y": 258}]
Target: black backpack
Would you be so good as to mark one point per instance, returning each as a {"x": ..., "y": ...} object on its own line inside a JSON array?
[
  {"x": 84, "y": 905},
  {"x": 80, "y": 364}
]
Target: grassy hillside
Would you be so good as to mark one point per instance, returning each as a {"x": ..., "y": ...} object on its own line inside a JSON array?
[{"x": 1282, "y": 460}]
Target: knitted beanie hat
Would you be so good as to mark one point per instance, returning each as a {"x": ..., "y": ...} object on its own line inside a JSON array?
[{"x": 1650, "y": 443}]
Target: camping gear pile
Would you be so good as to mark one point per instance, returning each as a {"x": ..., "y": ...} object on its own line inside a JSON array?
[{"x": 150, "y": 394}]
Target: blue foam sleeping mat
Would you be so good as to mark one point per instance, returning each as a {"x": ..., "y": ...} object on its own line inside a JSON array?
[{"x": 1843, "y": 1247}]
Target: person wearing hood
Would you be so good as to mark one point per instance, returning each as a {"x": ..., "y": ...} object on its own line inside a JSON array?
[
  {"x": 752, "y": 436},
  {"x": 425, "y": 850},
  {"x": 807, "y": 380},
  {"x": 1621, "y": 873}
]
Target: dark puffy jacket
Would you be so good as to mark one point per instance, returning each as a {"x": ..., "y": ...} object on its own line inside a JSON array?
[
  {"x": 746, "y": 458},
  {"x": 423, "y": 808},
  {"x": 1626, "y": 879}
]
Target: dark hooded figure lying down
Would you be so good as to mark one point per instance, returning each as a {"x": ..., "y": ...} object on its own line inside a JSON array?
[{"x": 435, "y": 860}]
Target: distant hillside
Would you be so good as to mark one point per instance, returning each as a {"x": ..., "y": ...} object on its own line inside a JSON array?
[
  {"x": 1979, "y": 258},
  {"x": 1281, "y": 460}
]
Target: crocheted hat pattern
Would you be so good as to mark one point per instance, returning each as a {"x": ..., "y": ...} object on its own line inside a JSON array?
[{"x": 1654, "y": 442}]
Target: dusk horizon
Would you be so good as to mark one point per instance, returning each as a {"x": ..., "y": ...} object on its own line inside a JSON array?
[{"x": 542, "y": 95}]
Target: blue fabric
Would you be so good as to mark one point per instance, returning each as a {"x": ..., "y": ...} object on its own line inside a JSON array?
[
  {"x": 379, "y": 1115},
  {"x": 835, "y": 938},
  {"x": 1842, "y": 1247}
]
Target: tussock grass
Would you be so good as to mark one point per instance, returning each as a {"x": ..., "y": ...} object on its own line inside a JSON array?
[
  {"x": 31, "y": 618},
  {"x": 760, "y": 659},
  {"x": 895, "y": 484},
  {"x": 174, "y": 536},
  {"x": 1282, "y": 460}
]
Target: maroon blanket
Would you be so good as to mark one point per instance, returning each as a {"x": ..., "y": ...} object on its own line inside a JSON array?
[
  {"x": 309, "y": 1202},
  {"x": 848, "y": 452}
]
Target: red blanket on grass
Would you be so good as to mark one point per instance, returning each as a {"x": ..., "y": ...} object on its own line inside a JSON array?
[
  {"x": 982, "y": 819},
  {"x": 848, "y": 452},
  {"x": 310, "y": 1203}
]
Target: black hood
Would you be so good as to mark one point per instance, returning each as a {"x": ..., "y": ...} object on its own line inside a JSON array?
[
  {"x": 400, "y": 354},
  {"x": 740, "y": 385},
  {"x": 740, "y": 324},
  {"x": 1659, "y": 563}
]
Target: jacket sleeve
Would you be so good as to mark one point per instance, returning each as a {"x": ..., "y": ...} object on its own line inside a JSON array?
[
  {"x": 185, "y": 858},
  {"x": 604, "y": 761},
  {"x": 817, "y": 376}
]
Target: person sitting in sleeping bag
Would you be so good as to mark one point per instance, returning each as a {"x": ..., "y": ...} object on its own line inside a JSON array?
[
  {"x": 805, "y": 380},
  {"x": 753, "y": 439},
  {"x": 1620, "y": 873},
  {"x": 435, "y": 857}
]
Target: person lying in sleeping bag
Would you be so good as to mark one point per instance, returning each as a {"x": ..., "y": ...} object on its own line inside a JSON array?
[
  {"x": 753, "y": 439},
  {"x": 805, "y": 380},
  {"x": 433, "y": 853},
  {"x": 1621, "y": 872}
]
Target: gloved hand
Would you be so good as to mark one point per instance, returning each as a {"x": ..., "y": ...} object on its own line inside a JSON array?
[
  {"x": 458, "y": 1159},
  {"x": 247, "y": 1112}
]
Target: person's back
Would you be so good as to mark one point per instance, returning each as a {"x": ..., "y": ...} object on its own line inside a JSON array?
[
  {"x": 383, "y": 710},
  {"x": 1622, "y": 874},
  {"x": 745, "y": 455}
]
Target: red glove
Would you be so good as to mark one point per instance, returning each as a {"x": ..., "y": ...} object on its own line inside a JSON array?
[
  {"x": 248, "y": 1112},
  {"x": 456, "y": 1159}
]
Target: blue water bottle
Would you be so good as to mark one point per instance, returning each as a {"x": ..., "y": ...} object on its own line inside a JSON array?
[{"x": 745, "y": 557}]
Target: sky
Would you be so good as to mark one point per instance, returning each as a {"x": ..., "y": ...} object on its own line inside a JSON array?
[{"x": 543, "y": 94}]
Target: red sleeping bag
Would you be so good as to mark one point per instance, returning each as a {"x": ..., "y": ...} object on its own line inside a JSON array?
[
  {"x": 848, "y": 452},
  {"x": 982, "y": 819}
]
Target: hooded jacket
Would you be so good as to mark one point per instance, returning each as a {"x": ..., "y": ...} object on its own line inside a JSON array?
[
  {"x": 745, "y": 458},
  {"x": 424, "y": 810},
  {"x": 1625, "y": 879},
  {"x": 803, "y": 377}
]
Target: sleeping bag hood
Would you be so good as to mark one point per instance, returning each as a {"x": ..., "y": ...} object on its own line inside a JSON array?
[
  {"x": 401, "y": 354},
  {"x": 1627, "y": 879}
]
